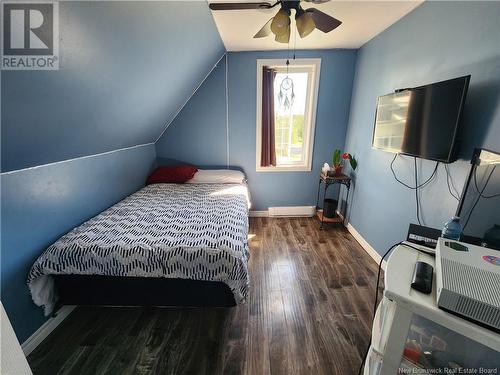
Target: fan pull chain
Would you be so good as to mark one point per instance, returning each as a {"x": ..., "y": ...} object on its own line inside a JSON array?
[
  {"x": 294, "y": 41},
  {"x": 286, "y": 95}
]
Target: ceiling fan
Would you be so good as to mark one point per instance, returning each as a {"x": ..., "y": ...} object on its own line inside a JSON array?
[{"x": 306, "y": 19}]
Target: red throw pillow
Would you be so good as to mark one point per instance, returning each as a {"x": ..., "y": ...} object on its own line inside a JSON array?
[{"x": 178, "y": 175}]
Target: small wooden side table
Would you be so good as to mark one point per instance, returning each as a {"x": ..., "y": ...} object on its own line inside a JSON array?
[{"x": 340, "y": 179}]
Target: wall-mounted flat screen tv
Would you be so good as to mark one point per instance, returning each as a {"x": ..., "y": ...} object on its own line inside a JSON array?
[{"x": 421, "y": 121}]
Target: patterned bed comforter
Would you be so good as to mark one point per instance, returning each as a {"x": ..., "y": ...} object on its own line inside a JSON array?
[{"x": 188, "y": 231}]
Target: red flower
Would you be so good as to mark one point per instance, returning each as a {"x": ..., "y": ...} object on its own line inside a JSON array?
[{"x": 345, "y": 156}]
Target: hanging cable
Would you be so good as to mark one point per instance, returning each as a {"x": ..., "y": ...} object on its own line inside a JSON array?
[
  {"x": 417, "y": 203},
  {"x": 480, "y": 195},
  {"x": 477, "y": 189},
  {"x": 448, "y": 178},
  {"x": 417, "y": 185},
  {"x": 409, "y": 186}
]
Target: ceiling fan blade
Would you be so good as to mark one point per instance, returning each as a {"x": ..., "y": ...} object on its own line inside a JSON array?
[
  {"x": 323, "y": 21},
  {"x": 239, "y": 6},
  {"x": 265, "y": 31},
  {"x": 284, "y": 37}
]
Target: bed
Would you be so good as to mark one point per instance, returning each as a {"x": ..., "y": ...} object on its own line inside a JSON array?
[{"x": 167, "y": 244}]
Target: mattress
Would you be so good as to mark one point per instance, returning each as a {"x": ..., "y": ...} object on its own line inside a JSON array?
[{"x": 187, "y": 231}]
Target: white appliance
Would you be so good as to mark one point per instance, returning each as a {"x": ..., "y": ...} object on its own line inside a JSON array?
[
  {"x": 412, "y": 335},
  {"x": 468, "y": 281}
]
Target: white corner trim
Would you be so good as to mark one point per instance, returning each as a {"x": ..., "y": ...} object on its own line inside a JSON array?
[
  {"x": 338, "y": 213},
  {"x": 78, "y": 158},
  {"x": 41, "y": 333},
  {"x": 227, "y": 110},
  {"x": 365, "y": 245},
  {"x": 258, "y": 213},
  {"x": 188, "y": 99}
]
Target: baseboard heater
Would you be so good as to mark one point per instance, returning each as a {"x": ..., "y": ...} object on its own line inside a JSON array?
[{"x": 306, "y": 211}]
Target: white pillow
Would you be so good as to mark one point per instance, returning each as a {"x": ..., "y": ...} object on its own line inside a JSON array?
[{"x": 217, "y": 176}]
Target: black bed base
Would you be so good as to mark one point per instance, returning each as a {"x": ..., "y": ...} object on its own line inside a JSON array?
[{"x": 141, "y": 291}]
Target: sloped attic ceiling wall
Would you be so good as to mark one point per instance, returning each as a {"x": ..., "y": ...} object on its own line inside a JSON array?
[{"x": 125, "y": 70}]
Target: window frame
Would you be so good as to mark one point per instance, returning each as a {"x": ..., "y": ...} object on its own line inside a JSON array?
[{"x": 314, "y": 64}]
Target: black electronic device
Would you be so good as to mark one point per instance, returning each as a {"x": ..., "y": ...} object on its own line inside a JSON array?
[
  {"x": 421, "y": 121},
  {"x": 422, "y": 277},
  {"x": 422, "y": 235}
]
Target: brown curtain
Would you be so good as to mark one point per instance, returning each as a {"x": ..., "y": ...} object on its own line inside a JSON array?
[{"x": 268, "y": 150}]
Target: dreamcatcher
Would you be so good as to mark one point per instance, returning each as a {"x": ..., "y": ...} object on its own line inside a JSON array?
[{"x": 286, "y": 95}]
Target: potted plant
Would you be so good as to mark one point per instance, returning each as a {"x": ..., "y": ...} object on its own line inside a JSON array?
[{"x": 338, "y": 160}]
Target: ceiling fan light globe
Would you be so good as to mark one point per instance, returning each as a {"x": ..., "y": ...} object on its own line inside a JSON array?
[
  {"x": 280, "y": 23},
  {"x": 305, "y": 24},
  {"x": 283, "y": 37}
]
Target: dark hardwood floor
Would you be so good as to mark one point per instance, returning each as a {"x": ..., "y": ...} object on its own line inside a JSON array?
[{"x": 309, "y": 312}]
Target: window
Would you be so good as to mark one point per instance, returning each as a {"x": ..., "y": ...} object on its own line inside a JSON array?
[{"x": 285, "y": 122}]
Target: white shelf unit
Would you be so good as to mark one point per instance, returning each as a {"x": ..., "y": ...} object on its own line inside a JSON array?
[{"x": 405, "y": 314}]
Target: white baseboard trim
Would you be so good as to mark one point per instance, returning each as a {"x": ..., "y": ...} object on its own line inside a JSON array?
[
  {"x": 259, "y": 213},
  {"x": 41, "y": 333},
  {"x": 365, "y": 245},
  {"x": 287, "y": 211},
  {"x": 292, "y": 211}
]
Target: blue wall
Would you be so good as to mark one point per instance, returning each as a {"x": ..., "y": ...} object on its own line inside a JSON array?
[
  {"x": 437, "y": 41},
  {"x": 198, "y": 134},
  {"x": 41, "y": 204},
  {"x": 125, "y": 70}
]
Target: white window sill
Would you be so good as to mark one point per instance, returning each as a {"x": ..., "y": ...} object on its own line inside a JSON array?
[{"x": 291, "y": 168}]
